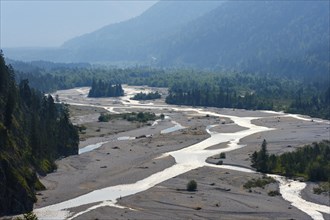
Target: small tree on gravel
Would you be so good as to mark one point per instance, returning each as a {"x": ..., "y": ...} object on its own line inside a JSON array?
[
  {"x": 191, "y": 185},
  {"x": 222, "y": 155}
]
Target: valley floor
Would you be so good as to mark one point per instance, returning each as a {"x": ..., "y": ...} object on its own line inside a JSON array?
[{"x": 220, "y": 193}]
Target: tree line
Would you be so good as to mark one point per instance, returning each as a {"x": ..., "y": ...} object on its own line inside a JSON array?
[
  {"x": 34, "y": 131},
  {"x": 105, "y": 89},
  {"x": 311, "y": 162},
  {"x": 292, "y": 93}
]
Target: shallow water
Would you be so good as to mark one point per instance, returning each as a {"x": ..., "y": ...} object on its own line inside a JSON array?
[
  {"x": 91, "y": 147},
  {"x": 125, "y": 138},
  {"x": 176, "y": 127},
  {"x": 186, "y": 159},
  {"x": 291, "y": 191}
]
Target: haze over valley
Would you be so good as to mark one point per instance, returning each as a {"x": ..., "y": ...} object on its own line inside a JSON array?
[{"x": 165, "y": 110}]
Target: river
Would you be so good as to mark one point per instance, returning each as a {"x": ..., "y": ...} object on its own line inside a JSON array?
[{"x": 186, "y": 159}]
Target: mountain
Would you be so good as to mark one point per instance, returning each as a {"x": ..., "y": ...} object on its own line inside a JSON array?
[
  {"x": 253, "y": 35},
  {"x": 283, "y": 37},
  {"x": 127, "y": 41},
  {"x": 124, "y": 41}
]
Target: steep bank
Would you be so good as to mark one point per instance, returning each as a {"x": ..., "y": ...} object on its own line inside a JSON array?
[{"x": 34, "y": 131}]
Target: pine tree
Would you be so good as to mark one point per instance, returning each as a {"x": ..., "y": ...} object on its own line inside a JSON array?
[{"x": 259, "y": 159}]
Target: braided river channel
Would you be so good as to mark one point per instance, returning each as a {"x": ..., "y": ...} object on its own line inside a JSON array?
[{"x": 186, "y": 159}]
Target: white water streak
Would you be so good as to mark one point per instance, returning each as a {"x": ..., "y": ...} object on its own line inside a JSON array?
[
  {"x": 187, "y": 159},
  {"x": 91, "y": 147},
  {"x": 291, "y": 191}
]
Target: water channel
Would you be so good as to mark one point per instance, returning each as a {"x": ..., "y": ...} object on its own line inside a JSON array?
[{"x": 186, "y": 159}]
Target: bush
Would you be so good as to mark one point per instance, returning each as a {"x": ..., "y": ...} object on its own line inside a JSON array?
[
  {"x": 260, "y": 182},
  {"x": 274, "y": 193},
  {"x": 222, "y": 155},
  {"x": 192, "y": 185},
  {"x": 38, "y": 185},
  {"x": 323, "y": 187},
  {"x": 104, "y": 117},
  {"x": 81, "y": 128},
  {"x": 28, "y": 216},
  {"x": 220, "y": 162}
]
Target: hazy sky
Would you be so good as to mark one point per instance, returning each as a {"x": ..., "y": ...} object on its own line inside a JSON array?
[{"x": 47, "y": 23}]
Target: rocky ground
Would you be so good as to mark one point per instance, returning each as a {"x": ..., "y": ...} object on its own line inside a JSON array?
[{"x": 220, "y": 193}]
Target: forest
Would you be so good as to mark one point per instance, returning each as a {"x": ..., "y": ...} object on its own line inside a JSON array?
[
  {"x": 34, "y": 131},
  {"x": 311, "y": 162},
  {"x": 257, "y": 91},
  {"x": 105, "y": 89}
]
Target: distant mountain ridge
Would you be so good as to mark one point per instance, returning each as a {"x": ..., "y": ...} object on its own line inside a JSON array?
[
  {"x": 257, "y": 36},
  {"x": 253, "y": 35},
  {"x": 130, "y": 40}
]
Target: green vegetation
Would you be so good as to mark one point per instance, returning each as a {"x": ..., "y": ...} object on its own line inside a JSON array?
[
  {"x": 191, "y": 185},
  {"x": 245, "y": 91},
  {"x": 324, "y": 187},
  {"x": 222, "y": 155},
  {"x": 295, "y": 94},
  {"x": 232, "y": 37},
  {"x": 103, "y": 89},
  {"x": 274, "y": 193},
  {"x": 147, "y": 96},
  {"x": 139, "y": 117},
  {"x": 259, "y": 159},
  {"x": 317, "y": 104},
  {"x": 312, "y": 162},
  {"x": 34, "y": 132},
  {"x": 28, "y": 216},
  {"x": 260, "y": 182}
]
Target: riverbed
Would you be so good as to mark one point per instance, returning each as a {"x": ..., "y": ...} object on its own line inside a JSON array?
[{"x": 174, "y": 159}]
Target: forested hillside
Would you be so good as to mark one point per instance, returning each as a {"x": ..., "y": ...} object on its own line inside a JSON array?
[
  {"x": 126, "y": 42},
  {"x": 135, "y": 40},
  {"x": 291, "y": 39},
  {"x": 34, "y": 131}
]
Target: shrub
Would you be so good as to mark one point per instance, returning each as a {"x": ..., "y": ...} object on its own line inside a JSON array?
[
  {"x": 323, "y": 187},
  {"x": 274, "y": 193},
  {"x": 38, "y": 185},
  {"x": 28, "y": 216},
  {"x": 222, "y": 155},
  {"x": 192, "y": 185},
  {"x": 81, "y": 128},
  {"x": 104, "y": 117},
  {"x": 220, "y": 162},
  {"x": 260, "y": 182}
]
